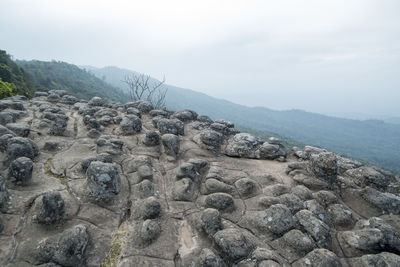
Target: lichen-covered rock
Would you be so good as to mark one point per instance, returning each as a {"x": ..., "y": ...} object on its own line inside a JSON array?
[
  {"x": 234, "y": 243},
  {"x": 220, "y": 201},
  {"x": 21, "y": 169},
  {"x": 277, "y": 219},
  {"x": 67, "y": 249},
  {"x": 103, "y": 179},
  {"x": 324, "y": 165},
  {"x": 366, "y": 240},
  {"x": 51, "y": 208},
  {"x": 187, "y": 170},
  {"x": 209, "y": 259},
  {"x": 171, "y": 144},
  {"x": 246, "y": 186},
  {"x": 319, "y": 257},
  {"x": 149, "y": 231},
  {"x": 3, "y": 192},
  {"x": 211, "y": 221},
  {"x": 243, "y": 145},
  {"x": 21, "y": 147},
  {"x": 130, "y": 124},
  {"x": 211, "y": 139},
  {"x": 69, "y": 99},
  {"x": 170, "y": 126},
  {"x": 183, "y": 190},
  {"x": 387, "y": 202},
  {"x": 20, "y": 129},
  {"x": 340, "y": 215},
  {"x": 385, "y": 259},
  {"x": 149, "y": 208},
  {"x": 271, "y": 151},
  {"x": 185, "y": 115},
  {"x": 97, "y": 102},
  {"x": 367, "y": 176},
  {"x": 151, "y": 139},
  {"x": 315, "y": 228}
]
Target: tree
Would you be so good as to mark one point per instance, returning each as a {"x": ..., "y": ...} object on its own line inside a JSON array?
[{"x": 143, "y": 87}]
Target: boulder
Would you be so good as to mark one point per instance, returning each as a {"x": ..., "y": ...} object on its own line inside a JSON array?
[
  {"x": 211, "y": 139},
  {"x": 170, "y": 126},
  {"x": 149, "y": 208},
  {"x": 387, "y": 202},
  {"x": 316, "y": 228},
  {"x": 21, "y": 147},
  {"x": 246, "y": 186},
  {"x": 3, "y": 192},
  {"x": 183, "y": 190},
  {"x": 234, "y": 243},
  {"x": 51, "y": 208},
  {"x": 277, "y": 219},
  {"x": 171, "y": 144},
  {"x": 21, "y": 169},
  {"x": 243, "y": 145},
  {"x": 209, "y": 259},
  {"x": 185, "y": 115},
  {"x": 103, "y": 179},
  {"x": 130, "y": 124},
  {"x": 319, "y": 257},
  {"x": 324, "y": 165},
  {"x": 97, "y": 102},
  {"x": 211, "y": 221},
  {"x": 220, "y": 201}
]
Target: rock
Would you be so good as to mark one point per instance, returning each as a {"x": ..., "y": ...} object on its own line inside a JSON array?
[
  {"x": 187, "y": 170},
  {"x": 149, "y": 231},
  {"x": 325, "y": 198},
  {"x": 144, "y": 106},
  {"x": 214, "y": 186},
  {"x": 318, "y": 257},
  {"x": 387, "y": 202},
  {"x": 345, "y": 164},
  {"x": 271, "y": 151},
  {"x": 201, "y": 165},
  {"x": 299, "y": 241},
  {"x": 171, "y": 144},
  {"x": 277, "y": 219},
  {"x": 220, "y": 201},
  {"x": 21, "y": 147},
  {"x": 108, "y": 144},
  {"x": 384, "y": 259},
  {"x": 4, "y": 130},
  {"x": 67, "y": 248},
  {"x": 7, "y": 117},
  {"x": 170, "y": 126},
  {"x": 53, "y": 98},
  {"x": 149, "y": 208},
  {"x": 209, "y": 259},
  {"x": 51, "y": 208},
  {"x": 221, "y": 128},
  {"x": 315, "y": 228},
  {"x": 58, "y": 92},
  {"x": 293, "y": 202},
  {"x": 97, "y": 102},
  {"x": 106, "y": 158},
  {"x": 340, "y": 215},
  {"x": 130, "y": 124},
  {"x": 234, "y": 243},
  {"x": 243, "y": 145},
  {"x": 367, "y": 176},
  {"x": 145, "y": 172},
  {"x": 246, "y": 187},
  {"x": 103, "y": 180},
  {"x": 366, "y": 240},
  {"x": 69, "y": 99},
  {"x": 20, "y": 129},
  {"x": 3, "y": 192},
  {"x": 183, "y": 190},
  {"x": 93, "y": 133},
  {"x": 211, "y": 221},
  {"x": 133, "y": 111},
  {"x": 211, "y": 139},
  {"x": 159, "y": 112},
  {"x": 204, "y": 118},
  {"x": 308, "y": 152},
  {"x": 21, "y": 169},
  {"x": 39, "y": 94},
  {"x": 185, "y": 115},
  {"x": 324, "y": 165},
  {"x": 302, "y": 192}
]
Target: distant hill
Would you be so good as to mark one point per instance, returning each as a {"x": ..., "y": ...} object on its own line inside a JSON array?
[
  {"x": 13, "y": 79},
  {"x": 63, "y": 76},
  {"x": 373, "y": 140}
]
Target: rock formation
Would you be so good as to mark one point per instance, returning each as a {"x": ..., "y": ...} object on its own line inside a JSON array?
[{"x": 108, "y": 184}]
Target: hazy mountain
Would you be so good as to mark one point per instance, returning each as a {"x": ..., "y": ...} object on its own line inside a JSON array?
[{"x": 373, "y": 140}]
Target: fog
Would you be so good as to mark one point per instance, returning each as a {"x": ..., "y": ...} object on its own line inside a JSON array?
[{"x": 338, "y": 57}]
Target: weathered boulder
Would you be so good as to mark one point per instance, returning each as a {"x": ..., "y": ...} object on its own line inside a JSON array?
[
  {"x": 271, "y": 151},
  {"x": 316, "y": 228},
  {"x": 69, "y": 99},
  {"x": 3, "y": 192},
  {"x": 171, "y": 144},
  {"x": 318, "y": 257},
  {"x": 367, "y": 176},
  {"x": 103, "y": 179},
  {"x": 246, "y": 186},
  {"x": 50, "y": 208},
  {"x": 234, "y": 243},
  {"x": 243, "y": 145},
  {"x": 211, "y": 139},
  {"x": 39, "y": 94},
  {"x": 387, "y": 202},
  {"x": 170, "y": 126},
  {"x": 151, "y": 139},
  {"x": 277, "y": 219},
  {"x": 183, "y": 190},
  {"x": 185, "y": 115},
  {"x": 67, "y": 249},
  {"x": 324, "y": 165},
  {"x": 21, "y": 169},
  {"x": 97, "y": 102},
  {"x": 211, "y": 221},
  {"x": 20, "y": 129},
  {"x": 130, "y": 124},
  {"x": 209, "y": 259},
  {"x": 365, "y": 240},
  {"x": 220, "y": 201},
  {"x": 21, "y": 147},
  {"x": 148, "y": 208}
]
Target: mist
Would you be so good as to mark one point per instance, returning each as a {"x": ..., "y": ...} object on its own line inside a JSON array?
[{"x": 333, "y": 57}]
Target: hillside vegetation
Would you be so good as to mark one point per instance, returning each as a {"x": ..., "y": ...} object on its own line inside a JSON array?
[{"x": 373, "y": 140}]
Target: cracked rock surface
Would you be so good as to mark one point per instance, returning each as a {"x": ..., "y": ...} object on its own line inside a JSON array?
[{"x": 108, "y": 184}]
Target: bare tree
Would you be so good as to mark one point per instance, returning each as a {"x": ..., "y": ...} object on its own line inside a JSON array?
[{"x": 142, "y": 87}]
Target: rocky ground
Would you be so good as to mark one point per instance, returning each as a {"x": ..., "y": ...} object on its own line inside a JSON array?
[{"x": 105, "y": 184}]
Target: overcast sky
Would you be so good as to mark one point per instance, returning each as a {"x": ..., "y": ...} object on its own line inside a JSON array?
[{"x": 327, "y": 56}]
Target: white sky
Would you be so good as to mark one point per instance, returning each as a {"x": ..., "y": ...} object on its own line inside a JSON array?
[{"x": 328, "y": 56}]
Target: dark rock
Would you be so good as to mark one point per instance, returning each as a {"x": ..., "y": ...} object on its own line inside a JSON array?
[
  {"x": 53, "y": 98},
  {"x": 185, "y": 115},
  {"x": 52, "y": 146},
  {"x": 7, "y": 117},
  {"x": 171, "y": 144},
  {"x": 108, "y": 144},
  {"x": 365, "y": 240},
  {"x": 293, "y": 202},
  {"x": 384, "y": 259},
  {"x": 3, "y": 192},
  {"x": 3, "y": 141},
  {"x": 69, "y": 99},
  {"x": 67, "y": 248},
  {"x": 315, "y": 228},
  {"x": 211, "y": 139},
  {"x": 221, "y": 128},
  {"x": 4, "y": 130},
  {"x": 106, "y": 112},
  {"x": 340, "y": 215},
  {"x": 243, "y": 145},
  {"x": 21, "y": 147},
  {"x": 302, "y": 192},
  {"x": 149, "y": 208},
  {"x": 187, "y": 170},
  {"x": 317, "y": 258},
  {"x": 133, "y": 111},
  {"x": 299, "y": 241},
  {"x": 183, "y": 190},
  {"x": 130, "y": 124},
  {"x": 220, "y": 201},
  {"x": 209, "y": 259},
  {"x": 211, "y": 221},
  {"x": 204, "y": 118},
  {"x": 151, "y": 139},
  {"x": 277, "y": 219},
  {"x": 170, "y": 126},
  {"x": 144, "y": 106},
  {"x": 367, "y": 176},
  {"x": 39, "y": 94},
  {"x": 234, "y": 243},
  {"x": 51, "y": 208},
  {"x": 226, "y": 123},
  {"x": 246, "y": 186},
  {"x": 145, "y": 172},
  {"x": 93, "y": 133},
  {"x": 159, "y": 112},
  {"x": 103, "y": 179},
  {"x": 97, "y": 102},
  {"x": 58, "y": 92},
  {"x": 21, "y": 169},
  {"x": 149, "y": 231},
  {"x": 324, "y": 165},
  {"x": 271, "y": 151},
  {"x": 387, "y": 202},
  {"x": 325, "y": 198}
]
